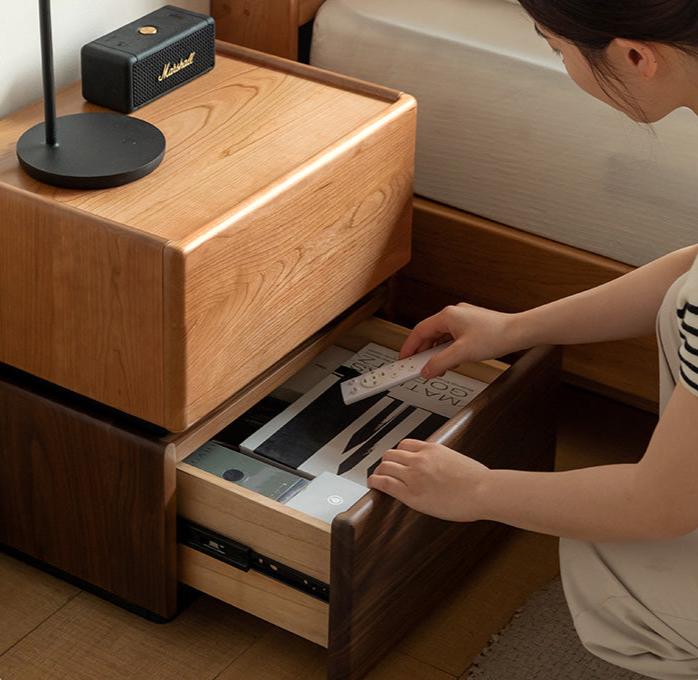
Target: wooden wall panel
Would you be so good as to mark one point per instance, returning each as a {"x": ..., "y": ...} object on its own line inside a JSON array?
[
  {"x": 265, "y": 25},
  {"x": 269, "y": 26}
]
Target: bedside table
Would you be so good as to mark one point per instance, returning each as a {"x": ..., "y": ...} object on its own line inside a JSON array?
[
  {"x": 137, "y": 323},
  {"x": 284, "y": 197}
]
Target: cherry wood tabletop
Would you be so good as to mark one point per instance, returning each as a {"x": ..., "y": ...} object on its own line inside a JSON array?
[{"x": 239, "y": 129}]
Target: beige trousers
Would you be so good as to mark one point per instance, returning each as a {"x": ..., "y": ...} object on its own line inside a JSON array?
[{"x": 635, "y": 603}]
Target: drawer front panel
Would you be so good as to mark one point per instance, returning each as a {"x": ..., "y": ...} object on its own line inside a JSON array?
[
  {"x": 274, "y": 273},
  {"x": 390, "y": 564},
  {"x": 254, "y": 593}
]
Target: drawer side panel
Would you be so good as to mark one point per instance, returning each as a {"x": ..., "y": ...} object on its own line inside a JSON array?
[
  {"x": 254, "y": 593},
  {"x": 81, "y": 303},
  {"x": 269, "y": 528}
]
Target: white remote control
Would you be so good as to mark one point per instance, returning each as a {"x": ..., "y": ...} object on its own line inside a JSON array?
[{"x": 388, "y": 376}]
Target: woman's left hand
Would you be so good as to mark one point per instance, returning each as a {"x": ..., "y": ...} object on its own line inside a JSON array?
[{"x": 432, "y": 479}]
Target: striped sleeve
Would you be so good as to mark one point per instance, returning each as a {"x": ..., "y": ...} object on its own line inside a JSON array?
[{"x": 687, "y": 311}]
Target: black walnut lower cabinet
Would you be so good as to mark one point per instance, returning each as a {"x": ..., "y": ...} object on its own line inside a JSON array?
[{"x": 92, "y": 494}]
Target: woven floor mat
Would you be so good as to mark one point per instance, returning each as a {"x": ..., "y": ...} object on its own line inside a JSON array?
[{"x": 540, "y": 643}]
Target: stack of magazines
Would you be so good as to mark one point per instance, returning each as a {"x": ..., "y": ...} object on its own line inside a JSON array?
[
  {"x": 317, "y": 432},
  {"x": 305, "y": 431}
]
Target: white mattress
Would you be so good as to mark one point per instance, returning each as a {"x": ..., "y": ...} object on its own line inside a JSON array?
[{"x": 505, "y": 134}]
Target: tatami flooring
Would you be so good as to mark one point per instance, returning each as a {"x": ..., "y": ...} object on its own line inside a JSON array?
[{"x": 52, "y": 630}]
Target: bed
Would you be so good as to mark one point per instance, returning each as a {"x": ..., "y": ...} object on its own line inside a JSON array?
[{"x": 526, "y": 188}]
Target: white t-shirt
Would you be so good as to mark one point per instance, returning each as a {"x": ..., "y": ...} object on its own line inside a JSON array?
[{"x": 687, "y": 313}]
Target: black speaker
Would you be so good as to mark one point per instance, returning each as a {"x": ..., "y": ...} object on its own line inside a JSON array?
[{"x": 148, "y": 58}]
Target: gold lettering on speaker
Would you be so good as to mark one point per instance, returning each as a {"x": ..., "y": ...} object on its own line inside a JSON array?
[{"x": 170, "y": 69}]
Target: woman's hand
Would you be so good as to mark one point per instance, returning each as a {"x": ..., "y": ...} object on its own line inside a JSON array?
[
  {"x": 478, "y": 334},
  {"x": 432, "y": 479}
]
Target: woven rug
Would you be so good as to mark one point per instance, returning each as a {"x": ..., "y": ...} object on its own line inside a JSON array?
[{"x": 540, "y": 643}]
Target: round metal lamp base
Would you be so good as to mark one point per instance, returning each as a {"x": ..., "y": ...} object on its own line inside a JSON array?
[{"x": 94, "y": 151}]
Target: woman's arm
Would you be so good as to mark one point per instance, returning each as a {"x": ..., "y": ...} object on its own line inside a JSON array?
[
  {"x": 623, "y": 308},
  {"x": 654, "y": 499}
]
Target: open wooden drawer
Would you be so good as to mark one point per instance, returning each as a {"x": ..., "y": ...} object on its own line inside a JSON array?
[
  {"x": 375, "y": 571},
  {"x": 355, "y": 586}
]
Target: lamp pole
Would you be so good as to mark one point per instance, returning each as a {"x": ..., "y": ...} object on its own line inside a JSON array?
[{"x": 47, "y": 68}]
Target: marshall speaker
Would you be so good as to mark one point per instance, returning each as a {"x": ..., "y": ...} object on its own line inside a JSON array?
[{"x": 148, "y": 58}]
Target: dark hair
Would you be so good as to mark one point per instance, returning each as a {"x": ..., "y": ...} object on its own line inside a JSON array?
[{"x": 592, "y": 25}]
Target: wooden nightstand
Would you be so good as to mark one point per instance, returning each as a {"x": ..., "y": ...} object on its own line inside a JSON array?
[
  {"x": 137, "y": 323},
  {"x": 164, "y": 297}
]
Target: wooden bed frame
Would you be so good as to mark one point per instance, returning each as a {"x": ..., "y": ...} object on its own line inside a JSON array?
[{"x": 460, "y": 257}]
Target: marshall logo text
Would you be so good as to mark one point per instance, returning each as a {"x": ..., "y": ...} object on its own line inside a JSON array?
[{"x": 170, "y": 69}]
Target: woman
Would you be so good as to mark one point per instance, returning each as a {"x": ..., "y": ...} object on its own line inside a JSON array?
[{"x": 629, "y": 533}]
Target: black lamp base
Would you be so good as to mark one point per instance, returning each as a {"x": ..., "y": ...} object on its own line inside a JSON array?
[{"x": 95, "y": 151}]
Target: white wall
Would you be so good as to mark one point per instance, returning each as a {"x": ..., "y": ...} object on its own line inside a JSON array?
[{"x": 75, "y": 22}]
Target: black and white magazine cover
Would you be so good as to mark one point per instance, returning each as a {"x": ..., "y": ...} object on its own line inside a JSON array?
[{"x": 319, "y": 433}]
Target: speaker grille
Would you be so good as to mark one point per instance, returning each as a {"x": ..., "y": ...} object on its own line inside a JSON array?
[{"x": 146, "y": 72}]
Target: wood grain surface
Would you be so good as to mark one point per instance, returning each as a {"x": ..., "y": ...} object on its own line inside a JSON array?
[
  {"x": 90, "y": 639},
  {"x": 87, "y": 495},
  {"x": 230, "y": 134},
  {"x": 283, "y": 534},
  {"x": 28, "y": 598},
  {"x": 389, "y": 563},
  {"x": 265, "y": 25},
  {"x": 279, "y": 269},
  {"x": 267, "y": 381},
  {"x": 308, "y": 72},
  {"x": 164, "y": 297},
  {"x": 459, "y": 257},
  {"x": 81, "y": 302},
  {"x": 256, "y": 594}
]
